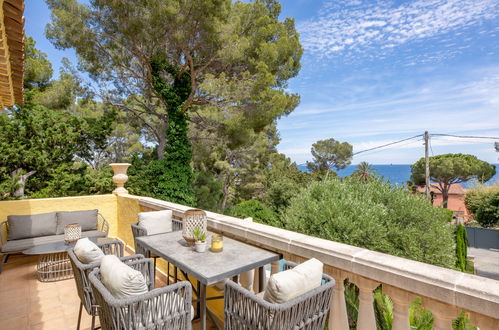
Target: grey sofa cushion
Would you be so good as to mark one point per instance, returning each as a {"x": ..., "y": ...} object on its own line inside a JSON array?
[
  {"x": 87, "y": 219},
  {"x": 33, "y": 225},
  {"x": 26, "y": 243}
]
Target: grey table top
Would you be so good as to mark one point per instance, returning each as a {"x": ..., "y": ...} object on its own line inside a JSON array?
[
  {"x": 208, "y": 267},
  {"x": 62, "y": 246}
]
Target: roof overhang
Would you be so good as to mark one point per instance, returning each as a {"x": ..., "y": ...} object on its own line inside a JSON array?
[{"x": 11, "y": 52}]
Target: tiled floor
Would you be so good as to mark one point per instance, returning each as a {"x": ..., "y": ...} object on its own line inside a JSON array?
[{"x": 26, "y": 303}]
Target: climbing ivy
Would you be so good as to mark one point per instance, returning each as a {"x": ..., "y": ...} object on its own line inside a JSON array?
[{"x": 173, "y": 173}]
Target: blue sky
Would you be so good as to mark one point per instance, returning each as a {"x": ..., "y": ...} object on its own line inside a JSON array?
[{"x": 378, "y": 71}]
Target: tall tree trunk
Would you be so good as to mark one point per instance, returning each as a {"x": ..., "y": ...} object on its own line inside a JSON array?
[
  {"x": 175, "y": 177},
  {"x": 445, "y": 196},
  {"x": 161, "y": 147},
  {"x": 20, "y": 181},
  {"x": 226, "y": 187}
]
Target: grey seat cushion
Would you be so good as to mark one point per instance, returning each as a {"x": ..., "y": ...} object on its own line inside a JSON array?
[
  {"x": 26, "y": 243},
  {"x": 87, "y": 220},
  {"x": 33, "y": 225}
]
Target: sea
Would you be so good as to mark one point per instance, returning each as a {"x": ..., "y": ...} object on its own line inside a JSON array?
[{"x": 399, "y": 174}]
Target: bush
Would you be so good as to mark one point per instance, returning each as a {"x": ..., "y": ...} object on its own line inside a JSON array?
[
  {"x": 376, "y": 216},
  {"x": 461, "y": 248},
  {"x": 259, "y": 212},
  {"x": 280, "y": 193},
  {"x": 483, "y": 203}
]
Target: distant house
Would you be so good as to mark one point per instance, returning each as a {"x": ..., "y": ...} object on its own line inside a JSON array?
[{"x": 455, "y": 202}]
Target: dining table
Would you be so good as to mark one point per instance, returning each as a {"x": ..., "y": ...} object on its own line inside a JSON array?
[{"x": 209, "y": 267}]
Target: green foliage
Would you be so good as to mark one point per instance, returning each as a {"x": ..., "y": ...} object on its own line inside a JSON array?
[
  {"x": 283, "y": 180},
  {"x": 281, "y": 192},
  {"x": 461, "y": 248},
  {"x": 73, "y": 180},
  {"x": 463, "y": 322},
  {"x": 256, "y": 210},
  {"x": 330, "y": 154},
  {"x": 238, "y": 54},
  {"x": 383, "y": 308},
  {"x": 37, "y": 68},
  {"x": 420, "y": 318},
  {"x": 452, "y": 168},
  {"x": 352, "y": 303},
  {"x": 48, "y": 142},
  {"x": 364, "y": 171},
  {"x": 483, "y": 203},
  {"x": 208, "y": 191},
  {"x": 199, "y": 234},
  {"x": 9, "y": 185},
  {"x": 376, "y": 216},
  {"x": 140, "y": 180},
  {"x": 34, "y": 138},
  {"x": 174, "y": 173}
]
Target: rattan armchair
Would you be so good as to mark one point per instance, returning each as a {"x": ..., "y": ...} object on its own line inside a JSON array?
[
  {"x": 245, "y": 310},
  {"x": 82, "y": 270},
  {"x": 139, "y": 231},
  {"x": 168, "y": 307}
]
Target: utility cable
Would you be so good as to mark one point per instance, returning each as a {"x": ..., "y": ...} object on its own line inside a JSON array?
[
  {"x": 386, "y": 145},
  {"x": 468, "y": 136}
]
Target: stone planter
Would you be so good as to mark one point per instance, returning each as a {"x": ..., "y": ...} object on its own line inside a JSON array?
[
  {"x": 120, "y": 177},
  {"x": 200, "y": 246}
]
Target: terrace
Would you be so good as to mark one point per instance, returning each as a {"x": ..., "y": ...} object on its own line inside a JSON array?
[{"x": 27, "y": 303}]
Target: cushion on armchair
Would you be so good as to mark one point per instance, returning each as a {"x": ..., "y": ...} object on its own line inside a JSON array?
[
  {"x": 291, "y": 283},
  {"x": 34, "y": 225},
  {"x": 121, "y": 280},
  {"x": 87, "y": 251},
  {"x": 156, "y": 222},
  {"x": 87, "y": 220}
]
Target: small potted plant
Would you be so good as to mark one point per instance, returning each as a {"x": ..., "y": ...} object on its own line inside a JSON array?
[{"x": 200, "y": 239}]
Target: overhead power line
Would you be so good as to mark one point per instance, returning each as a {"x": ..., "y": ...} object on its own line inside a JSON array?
[
  {"x": 386, "y": 145},
  {"x": 468, "y": 136}
]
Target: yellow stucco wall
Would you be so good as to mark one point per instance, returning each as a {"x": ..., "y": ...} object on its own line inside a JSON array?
[
  {"x": 106, "y": 204},
  {"x": 128, "y": 209}
]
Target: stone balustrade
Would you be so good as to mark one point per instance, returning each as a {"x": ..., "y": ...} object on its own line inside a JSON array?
[{"x": 444, "y": 292}]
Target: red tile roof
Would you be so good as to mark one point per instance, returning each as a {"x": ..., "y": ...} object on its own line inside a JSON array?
[{"x": 455, "y": 189}]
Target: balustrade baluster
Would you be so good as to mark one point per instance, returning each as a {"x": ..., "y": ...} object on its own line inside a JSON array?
[
  {"x": 443, "y": 314},
  {"x": 401, "y": 301},
  {"x": 484, "y": 322},
  {"x": 366, "y": 319},
  {"x": 247, "y": 280},
  {"x": 338, "y": 317}
]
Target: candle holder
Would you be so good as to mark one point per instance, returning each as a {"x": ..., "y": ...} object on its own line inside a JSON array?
[
  {"x": 217, "y": 243},
  {"x": 72, "y": 233},
  {"x": 193, "y": 218}
]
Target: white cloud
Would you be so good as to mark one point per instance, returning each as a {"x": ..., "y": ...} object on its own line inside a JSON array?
[
  {"x": 469, "y": 107},
  {"x": 359, "y": 26}
]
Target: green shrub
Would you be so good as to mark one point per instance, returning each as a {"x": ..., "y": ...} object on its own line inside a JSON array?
[
  {"x": 461, "y": 248},
  {"x": 483, "y": 203},
  {"x": 255, "y": 209},
  {"x": 280, "y": 193},
  {"x": 420, "y": 318},
  {"x": 376, "y": 216},
  {"x": 463, "y": 322}
]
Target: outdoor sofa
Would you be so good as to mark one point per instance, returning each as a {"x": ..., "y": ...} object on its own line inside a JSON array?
[{"x": 27, "y": 231}]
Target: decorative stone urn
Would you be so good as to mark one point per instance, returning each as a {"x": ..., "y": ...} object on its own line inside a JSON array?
[{"x": 120, "y": 177}]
